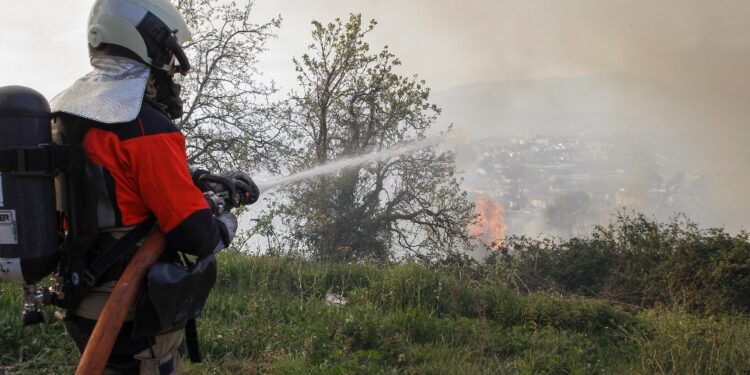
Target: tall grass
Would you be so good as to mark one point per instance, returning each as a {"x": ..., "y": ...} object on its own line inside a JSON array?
[
  {"x": 40, "y": 349},
  {"x": 269, "y": 315},
  {"x": 681, "y": 343}
]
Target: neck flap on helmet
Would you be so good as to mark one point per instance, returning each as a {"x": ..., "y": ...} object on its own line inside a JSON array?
[{"x": 112, "y": 93}]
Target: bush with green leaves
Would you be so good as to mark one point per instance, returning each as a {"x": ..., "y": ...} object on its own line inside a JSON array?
[{"x": 635, "y": 260}]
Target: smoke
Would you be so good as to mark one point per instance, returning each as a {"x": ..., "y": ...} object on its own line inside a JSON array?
[
  {"x": 43, "y": 44},
  {"x": 672, "y": 70},
  {"x": 651, "y": 71},
  {"x": 676, "y": 69}
]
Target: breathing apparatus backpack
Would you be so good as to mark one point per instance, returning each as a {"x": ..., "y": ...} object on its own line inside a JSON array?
[
  {"x": 47, "y": 201},
  {"x": 29, "y": 161},
  {"x": 48, "y": 205},
  {"x": 49, "y": 224}
]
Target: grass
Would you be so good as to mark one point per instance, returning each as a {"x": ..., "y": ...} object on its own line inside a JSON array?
[
  {"x": 268, "y": 315},
  {"x": 681, "y": 343}
]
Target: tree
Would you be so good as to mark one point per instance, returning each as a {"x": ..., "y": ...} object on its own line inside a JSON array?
[
  {"x": 351, "y": 101},
  {"x": 229, "y": 118}
]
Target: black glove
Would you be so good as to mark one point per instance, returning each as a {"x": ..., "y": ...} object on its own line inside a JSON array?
[
  {"x": 246, "y": 190},
  {"x": 196, "y": 173}
]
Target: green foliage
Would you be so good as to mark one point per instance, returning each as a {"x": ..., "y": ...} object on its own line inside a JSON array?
[
  {"x": 635, "y": 261},
  {"x": 268, "y": 315},
  {"x": 31, "y": 350},
  {"x": 352, "y": 101},
  {"x": 682, "y": 343},
  {"x": 404, "y": 318},
  {"x": 228, "y": 116}
]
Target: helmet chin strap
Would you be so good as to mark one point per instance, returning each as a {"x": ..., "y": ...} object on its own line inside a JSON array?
[
  {"x": 173, "y": 46},
  {"x": 163, "y": 45}
]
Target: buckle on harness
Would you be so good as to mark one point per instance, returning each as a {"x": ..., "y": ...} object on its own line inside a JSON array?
[
  {"x": 44, "y": 160},
  {"x": 25, "y": 161},
  {"x": 88, "y": 278}
]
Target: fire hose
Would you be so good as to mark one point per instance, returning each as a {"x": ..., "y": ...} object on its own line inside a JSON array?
[{"x": 99, "y": 347}]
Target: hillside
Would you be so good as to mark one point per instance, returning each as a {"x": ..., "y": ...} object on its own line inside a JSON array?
[{"x": 270, "y": 315}]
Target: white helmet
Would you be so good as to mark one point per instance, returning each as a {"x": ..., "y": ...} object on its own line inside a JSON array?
[{"x": 150, "y": 31}]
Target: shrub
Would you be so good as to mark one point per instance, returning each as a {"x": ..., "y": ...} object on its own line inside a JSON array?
[{"x": 636, "y": 261}]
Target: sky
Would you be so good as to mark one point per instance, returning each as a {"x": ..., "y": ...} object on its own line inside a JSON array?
[
  {"x": 448, "y": 43},
  {"x": 687, "y": 58}
]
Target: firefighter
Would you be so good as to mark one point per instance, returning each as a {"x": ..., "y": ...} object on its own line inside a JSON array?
[{"x": 137, "y": 158}]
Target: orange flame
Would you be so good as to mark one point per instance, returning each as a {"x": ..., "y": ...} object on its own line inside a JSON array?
[{"x": 489, "y": 227}]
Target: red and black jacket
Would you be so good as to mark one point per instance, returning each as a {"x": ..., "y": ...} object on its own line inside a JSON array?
[{"x": 142, "y": 171}]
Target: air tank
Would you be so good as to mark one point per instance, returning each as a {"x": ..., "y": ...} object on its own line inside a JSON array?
[{"x": 29, "y": 239}]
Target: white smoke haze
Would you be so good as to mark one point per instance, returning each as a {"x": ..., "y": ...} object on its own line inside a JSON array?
[
  {"x": 667, "y": 77},
  {"x": 43, "y": 43},
  {"x": 670, "y": 77}
]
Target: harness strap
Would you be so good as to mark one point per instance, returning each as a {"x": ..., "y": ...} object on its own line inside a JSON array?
[
  {"x": 123, "y": 248},
  {"x": 191, "y": 340},
  {"x": 42, "y": 160}
]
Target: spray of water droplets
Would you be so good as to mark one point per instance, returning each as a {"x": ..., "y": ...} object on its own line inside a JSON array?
[{"x": 352, "y": 161}]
